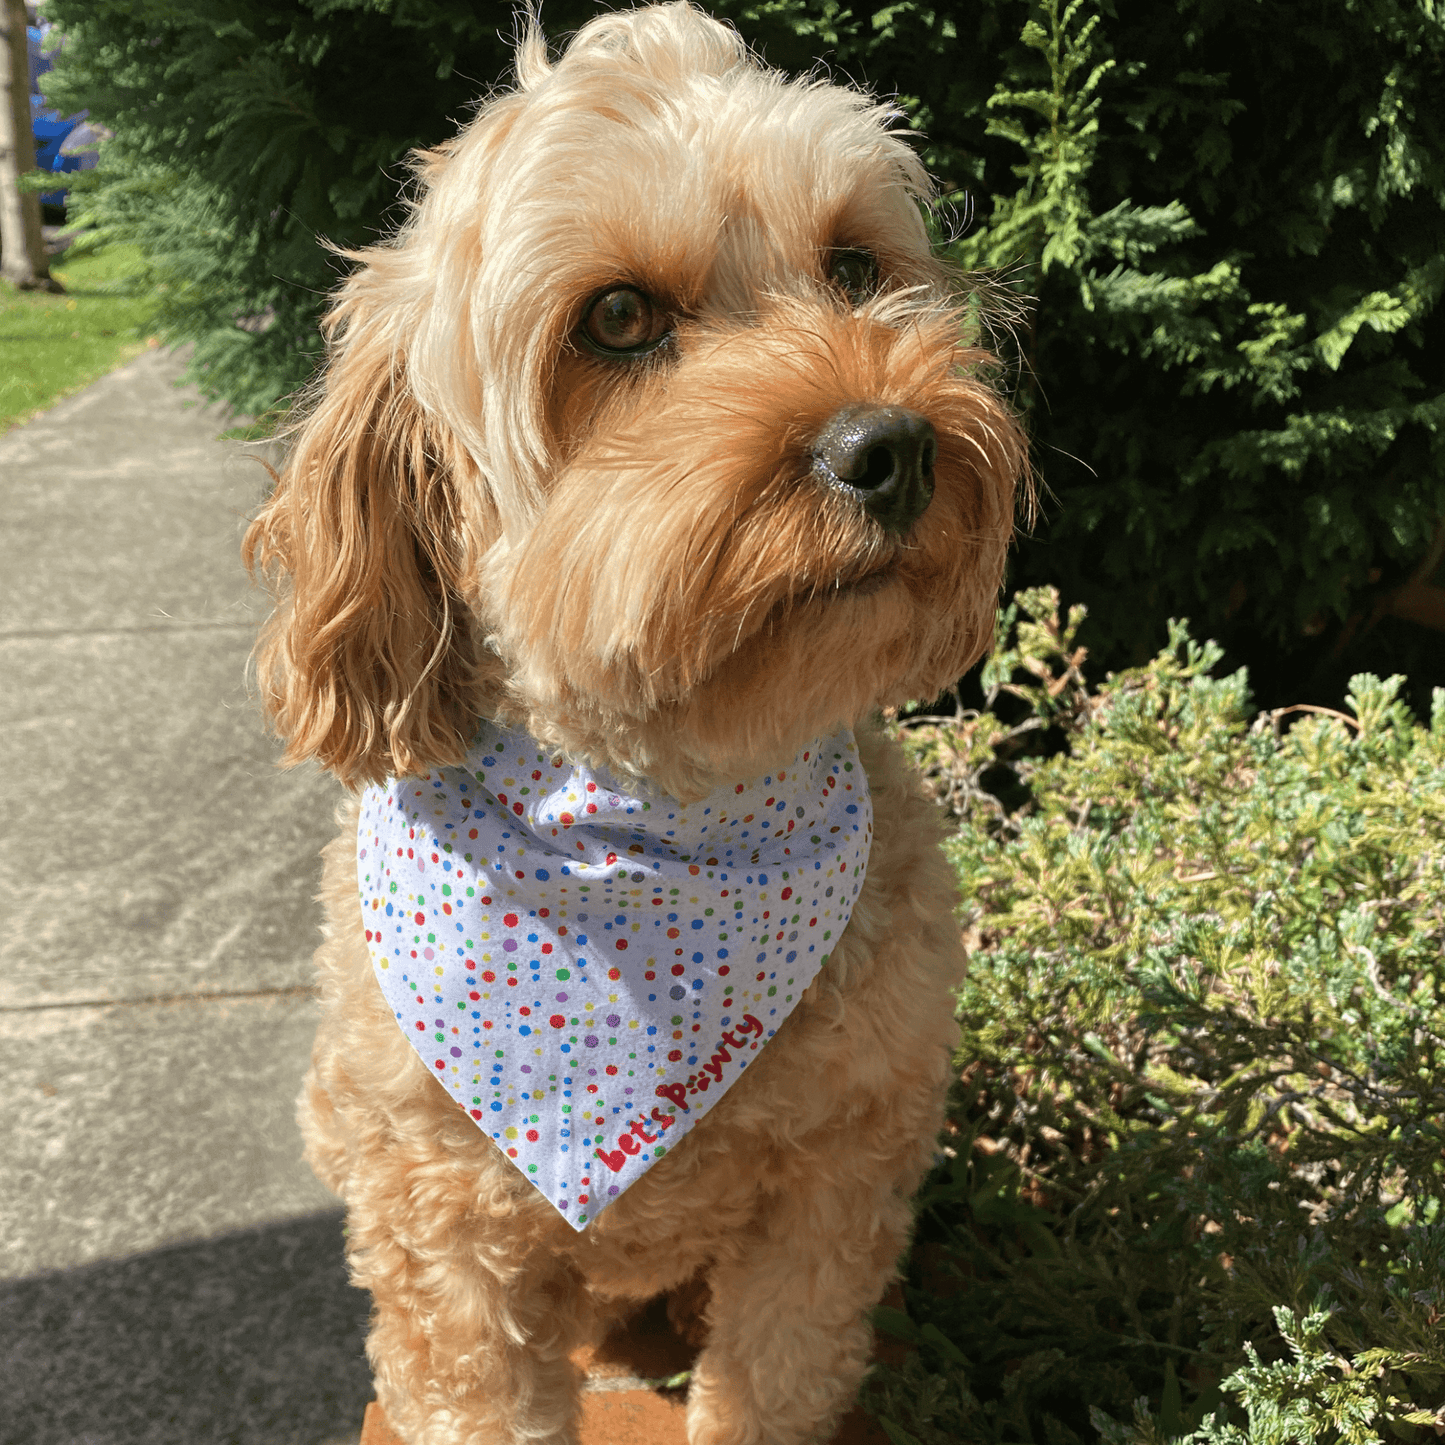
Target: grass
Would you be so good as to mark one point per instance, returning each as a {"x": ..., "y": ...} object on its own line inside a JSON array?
[{"x": 51, "y": 346}]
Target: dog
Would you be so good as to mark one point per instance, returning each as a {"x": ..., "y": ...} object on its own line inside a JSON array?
[{"x": 651, "y": 460}]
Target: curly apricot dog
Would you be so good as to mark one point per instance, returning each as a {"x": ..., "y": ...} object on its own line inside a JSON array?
[{"x": 648, "y": 464}]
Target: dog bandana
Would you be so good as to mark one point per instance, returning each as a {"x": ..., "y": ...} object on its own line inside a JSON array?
[{"x": 588, "y": 965}]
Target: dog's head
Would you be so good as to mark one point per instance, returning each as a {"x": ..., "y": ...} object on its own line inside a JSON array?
[{"x": 653, "y": 430}]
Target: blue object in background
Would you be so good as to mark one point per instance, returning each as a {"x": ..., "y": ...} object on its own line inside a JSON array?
[{"x": 50, "y": 127}]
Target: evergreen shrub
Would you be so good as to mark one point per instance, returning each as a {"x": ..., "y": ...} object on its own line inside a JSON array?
[
  {"x": 249, "y": 132},
  {"x": 1196, "y": 1156},
  {"x": 1229, "y": 217}
]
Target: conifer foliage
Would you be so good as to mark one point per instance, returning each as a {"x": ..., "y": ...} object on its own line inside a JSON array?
[
  {"x": 1228, "y": 219},
  {"x": 248, "y": 132}
]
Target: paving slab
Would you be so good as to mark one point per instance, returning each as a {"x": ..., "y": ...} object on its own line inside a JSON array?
[
  {"x": 134, "y": 1126},
  {"x": 253, "y": 1338},
  {"x": 170, "y": 1270}
]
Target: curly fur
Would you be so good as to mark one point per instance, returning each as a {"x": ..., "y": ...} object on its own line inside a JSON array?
[{"x": 479, "y": 517}]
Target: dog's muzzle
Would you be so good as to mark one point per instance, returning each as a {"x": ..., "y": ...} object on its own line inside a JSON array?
[{"x": 884, "y": 456}]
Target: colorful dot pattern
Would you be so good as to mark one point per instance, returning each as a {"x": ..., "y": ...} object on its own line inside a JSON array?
[{"x": 587, "y": 966}]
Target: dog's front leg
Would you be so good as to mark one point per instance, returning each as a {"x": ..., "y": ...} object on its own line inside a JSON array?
[
  {"x": 470, "y": 1345},
  {"x": 789, "y": 1336}
]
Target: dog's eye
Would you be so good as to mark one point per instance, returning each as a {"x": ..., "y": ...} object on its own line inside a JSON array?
[
  {"x": 623, "y": 322},
  {"x": 854, "y": 273}
]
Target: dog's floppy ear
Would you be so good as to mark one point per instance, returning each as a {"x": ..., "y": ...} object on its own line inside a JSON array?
[{"x": 369, "y": 661}]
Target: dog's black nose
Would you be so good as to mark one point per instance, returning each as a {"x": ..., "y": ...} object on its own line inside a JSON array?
[{"x": 884, "y": 455}]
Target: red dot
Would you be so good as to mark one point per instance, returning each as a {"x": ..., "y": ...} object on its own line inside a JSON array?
[
  {"x": 566, "y": 820},
  {"x": 510, "y": 919},
  {"x": 674, "y": 1055},
  {"x": 677, "y": 968},
  {"x": 612, "y": 1068},
  {"x": 622, "y": 944},
  {"x": 421, "y": 918},
  {"x": 722, "y": 969},
  {"x": 557, "y": 1021},
  {"x": 476, "y": 1113},
  {"x": 532, "y": 1135},
  {"x": 614, "y": 973},
  {"x": 419, "y": 1023},
  {"x": 440, "y": 1065},
  {"x": 472, "y": 833},
  {"x": 525, "y": 1011},
  {"x": 489, "y": 977},
  {"x": 473, "y": 994}
]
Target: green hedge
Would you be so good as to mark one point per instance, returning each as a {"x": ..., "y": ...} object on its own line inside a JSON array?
[
  {"x": 1197, "y": 1152},
  {"x": 1228, "y": 215}
]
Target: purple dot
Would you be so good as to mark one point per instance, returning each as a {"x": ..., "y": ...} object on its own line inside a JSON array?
[
  {"x": 561, "y": 998},
  {"x": 613, "y": 1021},
  {"x": 510, "y": 945},
  {"x": 590, "y": 1041}
]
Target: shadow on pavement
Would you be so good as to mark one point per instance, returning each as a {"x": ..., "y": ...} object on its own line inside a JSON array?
[{"x": 254, "y": 1338}]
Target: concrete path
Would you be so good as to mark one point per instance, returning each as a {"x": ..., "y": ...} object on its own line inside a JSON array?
[{"x": 170, "y": 1271}]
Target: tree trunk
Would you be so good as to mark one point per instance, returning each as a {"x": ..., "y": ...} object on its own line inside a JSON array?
[{"x": 22, "y": 246}]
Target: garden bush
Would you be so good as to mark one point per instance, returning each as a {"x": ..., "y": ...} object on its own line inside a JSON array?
[
  {"x": 1220, "y": 224},
  {"x": 1196, "y": 1153}
]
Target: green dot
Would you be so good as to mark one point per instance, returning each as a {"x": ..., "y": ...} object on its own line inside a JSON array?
[{"x": 564, "y": 973}]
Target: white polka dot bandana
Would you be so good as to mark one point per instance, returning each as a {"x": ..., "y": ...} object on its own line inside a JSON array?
[{"x": 588, "y": 966}]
